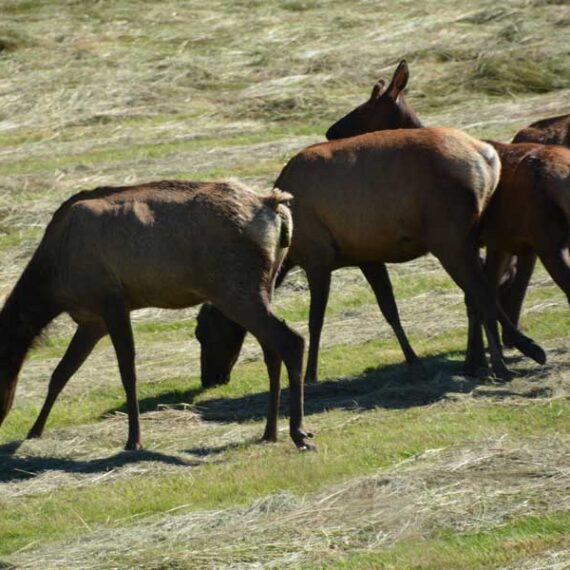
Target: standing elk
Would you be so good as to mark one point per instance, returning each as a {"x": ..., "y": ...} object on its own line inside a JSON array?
[
  {"x": 164, "y": 244},
  {"x": 555, "y": 130},
  {"x": 383, "y": 197},
  {"x": 529, "y": 213}
]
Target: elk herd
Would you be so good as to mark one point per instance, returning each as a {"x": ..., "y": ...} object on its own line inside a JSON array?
[{"x": 384, "y": 189}]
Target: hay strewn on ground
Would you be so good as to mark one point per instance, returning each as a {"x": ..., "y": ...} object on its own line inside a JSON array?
[
  {"x": 120, "y": 92},
  {"x": 469, "y": 490}
]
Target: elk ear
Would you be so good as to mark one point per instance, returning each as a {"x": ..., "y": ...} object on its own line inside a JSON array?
[
  {"x": 399, "y": 81},
  {"x": 377, "y": 90}
]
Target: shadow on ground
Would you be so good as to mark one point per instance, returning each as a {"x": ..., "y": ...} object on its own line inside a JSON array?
[
  {"x": 394, "y": 386},
  {"x": 13, "y": 467}
]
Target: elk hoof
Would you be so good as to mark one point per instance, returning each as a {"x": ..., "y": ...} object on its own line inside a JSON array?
[
  {"x": 474, "y": 365},
  {"x": 269, "y": 437},
  {"x": 529, "y": 348},
  {"x": 300, "y": 438},
  {"x": 536, "y": 352},
  {"x": 413, "y": 361},
  {"x": 133, "y": 446},
  {"x": 34, "y": 434},
  {"x": 502, "y": 373}
]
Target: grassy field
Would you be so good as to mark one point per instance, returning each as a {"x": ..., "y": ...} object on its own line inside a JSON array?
[{"x": 417, "y": 468}]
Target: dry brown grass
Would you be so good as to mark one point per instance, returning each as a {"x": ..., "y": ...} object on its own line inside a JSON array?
[
  {"x": 118, "y": 92},
  {"x": 468, "y": 489}
]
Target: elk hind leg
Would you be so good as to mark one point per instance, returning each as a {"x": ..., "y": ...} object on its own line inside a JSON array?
[
  {"x": 278, "y": 342},
  {"x": 464, "y": 267},
  {"x": 273, "y": 364},
  {"x": 117, "y": 319},
  {"x": 511, "y": 296}
]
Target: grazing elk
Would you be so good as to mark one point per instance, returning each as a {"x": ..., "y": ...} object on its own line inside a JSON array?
[
  {"x": 164, "y": 244},
  {"x": 529, "y": 213},
  {"x": 384, "y": 197}
]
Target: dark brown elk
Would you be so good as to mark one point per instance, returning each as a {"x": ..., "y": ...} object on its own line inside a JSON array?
[
  {"x": 214, "y": 329},
  {"x": 385, "y": 109},
  {"x": 385, "y": 197},
  {"x": 165, "y": 244},
  {"x": 555, "y": 130},
  {"x": 529, "y": 213}
]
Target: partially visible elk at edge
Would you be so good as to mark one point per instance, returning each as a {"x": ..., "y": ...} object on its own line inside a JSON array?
[
  {"x": 555, "y": 130},
  {"x": 164, "y": 244},
  {"x": 383, "y": 197},
  {"x": 529, "y": 213}
]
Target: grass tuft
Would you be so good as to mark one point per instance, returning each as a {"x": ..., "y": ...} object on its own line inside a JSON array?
[{"x": 498, "y": 74}]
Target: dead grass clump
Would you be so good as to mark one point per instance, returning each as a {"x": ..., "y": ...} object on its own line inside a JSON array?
[
  {"x": 298, "y": 5},
  {"x": 11, "y": 41},
  {"x": 293, "y": 98},
  {"x": 444, "y": 54},
  {"x": 6, "y": 45},
  {"x": 512, "y": 32},
  {"x": 549, "y": 2},
  {"x": 555, "y": 559},
  {"x": 563, "y": 22},
  {"x": 278, "y": 108},
  {"x": 487, "y": 15},
  {"x": 502, "y": 74}
]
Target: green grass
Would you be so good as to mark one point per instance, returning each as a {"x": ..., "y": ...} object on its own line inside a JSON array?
[
  {"x": 149, "y": 151},
  {"x": 121, "y": 92},
  {"x": 351, "y": 450},
  {"x": 354, "y": 449},
  {"x": 508, "y": 544}
]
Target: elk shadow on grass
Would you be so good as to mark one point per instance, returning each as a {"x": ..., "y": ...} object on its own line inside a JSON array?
[
  {"x": 14, "y": 468},
  {"x": 394, "y": 386}
]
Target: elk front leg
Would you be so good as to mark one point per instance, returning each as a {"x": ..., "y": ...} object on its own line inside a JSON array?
[
  {"x": 80, "y": 347},
  {"x": 319, "y": 287}
]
